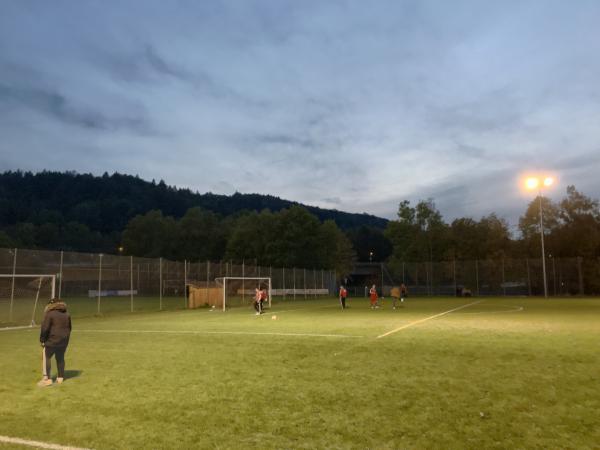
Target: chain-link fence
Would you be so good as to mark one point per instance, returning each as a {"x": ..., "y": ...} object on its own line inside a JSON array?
[
  {"x": 565, "y": 277},
  {"x": 108, "y": 284}
]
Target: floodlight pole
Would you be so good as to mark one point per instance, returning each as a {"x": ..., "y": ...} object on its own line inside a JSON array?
[{"x": 543, "y": 250}]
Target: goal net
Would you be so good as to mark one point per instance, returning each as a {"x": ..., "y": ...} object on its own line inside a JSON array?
[
  {"x": 227, "y": 292},
  {"x": 23, "y": 296}
]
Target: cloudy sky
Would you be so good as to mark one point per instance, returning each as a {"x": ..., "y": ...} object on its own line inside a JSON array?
[{"x": 351, "y": 105}]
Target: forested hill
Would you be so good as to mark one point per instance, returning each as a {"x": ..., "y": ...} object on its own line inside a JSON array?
[{"x": 107, "y": 203}]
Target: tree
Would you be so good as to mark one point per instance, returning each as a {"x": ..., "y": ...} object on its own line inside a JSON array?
[
  {"x": 199, "y": 236},
  {"x": 151, "y": 235},
  {"x": 336, "y": 251}
]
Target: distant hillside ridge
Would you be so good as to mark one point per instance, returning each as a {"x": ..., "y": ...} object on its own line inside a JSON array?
[{"x": 106, "y": 203}]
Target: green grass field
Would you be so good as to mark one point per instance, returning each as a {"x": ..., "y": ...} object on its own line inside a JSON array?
[{"x": 500, "y": 373}]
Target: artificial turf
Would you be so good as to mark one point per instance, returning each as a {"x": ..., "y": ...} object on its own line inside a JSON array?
[{"x": 501, "y": 373}]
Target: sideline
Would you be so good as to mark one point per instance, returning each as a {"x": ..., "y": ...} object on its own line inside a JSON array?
[
  {"x": 242, "y": 333},
  {"x": 37, "y": 444},
  {"x": 416, "y": 322},
  {"x": 499, "y": 311},
  {"x": 18, "y": 328}
]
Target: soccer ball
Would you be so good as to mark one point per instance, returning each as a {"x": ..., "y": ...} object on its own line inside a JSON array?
[{"x": 273, "y": 317}]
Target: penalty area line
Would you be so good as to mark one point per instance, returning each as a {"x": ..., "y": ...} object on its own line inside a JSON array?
[
  {"x": 242, "y": 333},
  {"x": 37, "y": 444},
  {"x": 416, "y": 322}
]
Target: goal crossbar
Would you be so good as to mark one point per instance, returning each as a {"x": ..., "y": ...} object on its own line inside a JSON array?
[{"x": 223, "y": 282}]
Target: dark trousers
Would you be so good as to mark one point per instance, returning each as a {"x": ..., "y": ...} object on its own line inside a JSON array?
[
  {"x": 59, "y": 354},
  {"x": 343, "y": 300},
  {"x": 258, "y": 306}
]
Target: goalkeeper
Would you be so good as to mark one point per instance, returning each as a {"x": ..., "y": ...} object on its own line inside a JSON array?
[{"x": 258, "y": 301}]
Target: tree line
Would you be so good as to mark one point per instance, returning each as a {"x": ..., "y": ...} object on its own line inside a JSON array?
[{"x": 571, "y": 228}]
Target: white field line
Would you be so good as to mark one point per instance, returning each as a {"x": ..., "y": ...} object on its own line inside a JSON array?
[
  {"x": 242, "y": 333},
  {"x": 500, "y": 311},
  {"x": 416, "y": 322},
  {"x": 37, "y": 444},
  {"x": 16, "y": 328}
]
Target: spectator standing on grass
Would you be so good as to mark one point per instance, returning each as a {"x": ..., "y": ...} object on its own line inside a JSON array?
[
  {"x": 54, "y": 337},
  {"x": 373, "y": 297},
  {"x": 343, "y": 295}
]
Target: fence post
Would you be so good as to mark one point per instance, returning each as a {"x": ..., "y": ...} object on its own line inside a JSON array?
[
  {"x": 403, "y": 277},
  {"x": 160, "y": 283},
  {"x": 503, "y": 279},
  {"x": 243, "y": 282},
  {"x": 12, "y": 287},
  {"x": 477, "y": 275},
  {"x": 554, "y": 275},
  {"x": 207, "y": 277},
  {"x": 304, "y": 284},
  {"x": 283, "y": 279},
  {"x": 294, "y": 274},
  {"x": 99, "y": 281},
  {"x": 60, "y": 274},
  {"x": 185, "y": 265},
  {"x": 454, "y": 276},
  {"x": 580, "y": 272},
  {"x": 131, "y": 280}
]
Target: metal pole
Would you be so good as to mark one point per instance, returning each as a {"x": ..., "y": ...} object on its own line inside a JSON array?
[
  {"x": 37, "y": 297},
  {"x": 543, "y": 251},
  {"x": 160, "y": 283},
  {"x": 294, "y": 273},
  {"x": 207, "y": 278},
  {"x": 12, "y": 287},
  {"x": 99, "y": 281},
  {"x": 185, "y": 265},
  {"x": 503, "y": 279},
  {"x": 243, "y": 282},
  {"x": 304, "y": 283},
  {"x": 454, "y": 275},
  {"x": 60, "y": 274},
  {"x": 554, "y": 275},
  {"x": 528, "y": 277},
  {"x": 283, "y": 277},
  {"x": 131, "y": 281},
  {"x": 477, "y": 275}
]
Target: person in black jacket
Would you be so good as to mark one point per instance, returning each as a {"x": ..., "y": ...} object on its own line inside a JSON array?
[{"x": 54, "y": 337}]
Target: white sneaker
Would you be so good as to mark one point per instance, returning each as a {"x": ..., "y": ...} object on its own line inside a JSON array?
[
  {"x": 257, "y": 314},
  {"x": 45, "y": 382},
  {"x": 60, "y": 380}
]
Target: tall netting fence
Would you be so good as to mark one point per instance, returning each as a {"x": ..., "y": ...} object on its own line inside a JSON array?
[
  {"x": 95, "y": 284},
  {"x": 564, "y": 277}
]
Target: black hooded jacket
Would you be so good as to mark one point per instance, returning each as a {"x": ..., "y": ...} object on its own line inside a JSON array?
[{"x": 56, "y": 327}]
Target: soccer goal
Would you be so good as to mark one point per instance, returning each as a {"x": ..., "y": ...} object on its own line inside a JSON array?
[
  {"x": 23, "y": 292},
  {"x": 238, "y": 291}
]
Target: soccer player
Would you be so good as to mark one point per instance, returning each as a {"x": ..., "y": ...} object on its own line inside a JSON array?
[
  {"x": 257, "y": 301},
  {"x": 263, "y": 298},
  {"x": 373, "y": 296},
  {"x": 403, "y": 292},
  {"x": 54, "y": 337},
  {"x": 343, "y": 295},
  {"x": 396, "y": 295}
]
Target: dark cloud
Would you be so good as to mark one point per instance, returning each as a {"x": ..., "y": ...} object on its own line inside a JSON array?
[
  {"x": 57, "y": 106},
  {"x": 331, "y": 103}
]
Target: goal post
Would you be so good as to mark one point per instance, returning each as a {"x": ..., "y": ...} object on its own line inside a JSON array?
[
  {"x": 235, "y": 287},
  {"x": 21, "y": 290}
]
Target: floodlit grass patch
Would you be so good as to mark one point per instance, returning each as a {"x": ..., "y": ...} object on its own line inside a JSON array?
[{"x": 480, "y": 377}]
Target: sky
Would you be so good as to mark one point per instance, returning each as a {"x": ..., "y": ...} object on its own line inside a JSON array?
[{"x": 351, "y": 105}]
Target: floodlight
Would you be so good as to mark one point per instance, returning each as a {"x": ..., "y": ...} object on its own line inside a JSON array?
[{"x": 532, "y": 183}]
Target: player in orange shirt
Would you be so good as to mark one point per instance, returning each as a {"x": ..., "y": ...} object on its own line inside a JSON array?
[
  {"x": 343, "y": 295},
  {"x": 373, "y": 297}
]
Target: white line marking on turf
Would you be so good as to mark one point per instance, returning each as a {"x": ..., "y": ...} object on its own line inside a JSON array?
[
  {"x": 37, "y": 444},
  {"x": 16, "y": 328},
  {"x": 500, "y": 311},
  {"x": 416, "y": 322},
  {"x": 249, "y": 333}
]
